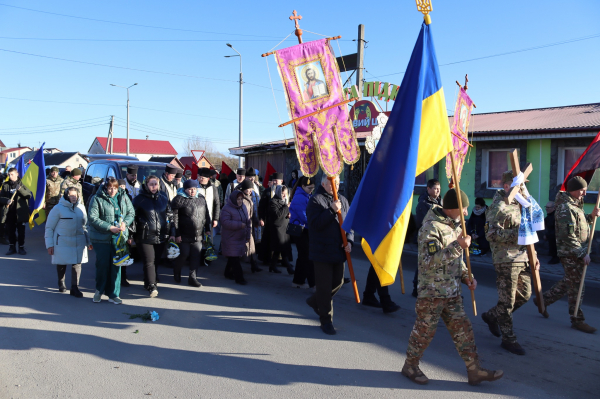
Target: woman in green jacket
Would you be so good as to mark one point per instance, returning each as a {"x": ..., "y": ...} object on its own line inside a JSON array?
[{"x": 110, "y": 213}]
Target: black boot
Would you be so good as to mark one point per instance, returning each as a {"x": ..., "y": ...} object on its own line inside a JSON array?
[
  {"x": 75, "y": 292},
  {"x": 370, "y": 300},
  {"x": 192, "y": 279},
  {"x": 61, "y": 286},
  {"x": 177, "y": 274},
  {"x": 388, "y": 306},
  {"x": 11, "y": 250},
  {"x": 60, "y": 271},
  {"x": 273, "y": 267},
  {"x": 253, "y": 266}
]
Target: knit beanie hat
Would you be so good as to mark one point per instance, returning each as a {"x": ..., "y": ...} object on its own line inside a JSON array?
[
  {"x": 190, "y": 184},
  {"x": 76, "y": 172},
  {"x": 246, "y": 184},
  {"x": 576, "y": 183},
  {"x": 121, "y": 182},
  {"x": 451, "y": 200}
]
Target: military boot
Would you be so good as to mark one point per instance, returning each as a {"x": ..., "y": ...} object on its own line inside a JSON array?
[
  {"x": 545, "y": 314},
  {"x": 492, "y": 324},
  {"x": 476, "y": 373},
  {"x": 582, "y": 326},
  {"x": 412, "y": 371},
  {"x": 513, "y": 347}
]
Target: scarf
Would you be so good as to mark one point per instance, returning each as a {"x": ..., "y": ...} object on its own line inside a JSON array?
[
  {"x": 480, "y": 211},
  {"x": 532, "y": 220}
]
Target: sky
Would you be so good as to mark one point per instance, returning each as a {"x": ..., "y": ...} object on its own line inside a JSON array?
[{"x": 176, "y": 51}]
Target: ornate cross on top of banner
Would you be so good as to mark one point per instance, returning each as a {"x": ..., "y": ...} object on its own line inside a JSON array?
[
  {"x": 537, "y": 283},
  {"x": 298, "y": 32}
]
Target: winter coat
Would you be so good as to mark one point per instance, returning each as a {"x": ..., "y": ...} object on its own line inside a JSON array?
[
  {"x": 190, "y": 217},
  {"x": 477, "y": 224},
  {"x": 101, "y": 215},
  {"x": 298, "y": 207},
  {"x": 235, "y": 227},
  {"x": 278, "y": 212},
  {"x": 167, "y": 187},
  {"x": 572, "y": 226},
  {"x": 66, "y": 232},
  {"x": 325, "y": 240},
  {"x": 211, "y": 196},
  {"x": 19, "y": 208},
  {"x": 53, "y": 191},
  {"x": 250, "y": 209},
  {"x": 153, "y": 217},
  {"x": 424, "y": 205}
]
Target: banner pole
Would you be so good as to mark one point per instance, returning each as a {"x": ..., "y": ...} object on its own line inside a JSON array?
[{"x": 581, "y": 284}]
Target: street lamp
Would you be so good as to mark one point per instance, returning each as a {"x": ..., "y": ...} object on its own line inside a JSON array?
[
  {"x": 127, "y": 88},
  {"x": 241, "y": 97}
]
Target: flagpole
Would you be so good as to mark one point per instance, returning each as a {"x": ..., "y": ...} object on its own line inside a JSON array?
[
  {"x": 464, "y": 227},
  {"x": 585, "y": 266},
  {"x": 341, "y": 221}
]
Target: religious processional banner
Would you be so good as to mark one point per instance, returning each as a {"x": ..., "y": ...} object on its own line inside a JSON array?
[
  {"x": 460, "y": 127},
  {"x": 311, "y": 79}
]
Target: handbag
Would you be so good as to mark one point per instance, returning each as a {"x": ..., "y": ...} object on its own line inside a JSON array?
[
  {"x": 294, "y": 230},
  {"x": 210, "y": 249}
]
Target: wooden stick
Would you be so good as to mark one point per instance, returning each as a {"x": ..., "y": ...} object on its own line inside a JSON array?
[
  {"x": 464, "y": 228},
  {"x": 578, "y": 302},
  {"x": 273, "y": 52},
  {"x": 401, "y": 277},
  {"x": 13, "y": 196},
  {"x": 462, "y": 138},
  {"x": 345, "y": 241},
  {"x": 317, "y": 112}
]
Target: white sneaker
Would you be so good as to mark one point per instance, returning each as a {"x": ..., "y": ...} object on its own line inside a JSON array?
[
  {"x": 303, "y": 286},
  {"x": 97, "y": 297},
  {"x": 116, "y": 300},
  {"x": 154, "y": 293}
]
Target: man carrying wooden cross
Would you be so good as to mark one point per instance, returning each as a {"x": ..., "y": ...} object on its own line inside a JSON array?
[
  {"x": 513, "y": 275},
  {"x": 572, "y": 235}
]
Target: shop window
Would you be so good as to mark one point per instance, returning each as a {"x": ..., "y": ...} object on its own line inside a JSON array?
[
  {"x": 496, "y": 162},
  {"x": 567, "y": 156}
]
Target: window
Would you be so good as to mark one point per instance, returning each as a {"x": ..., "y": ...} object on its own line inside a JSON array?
[
  {"x": 144, "y": 171},
  {"x": 422, "y": 179},
  {"x": 112, "y": 173},
  {"x": 98, "y": 173},
  {"x": 89, "y": 173},
  {"x": 567, "y": 156},
  {"x": 496, "y": 162}
]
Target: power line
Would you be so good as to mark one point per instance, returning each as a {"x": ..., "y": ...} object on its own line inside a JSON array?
[
  {"x": 509, "y": 52},
  {"x": 56, "y": 130},
  {"x": 56, "y": 124},
  {"x": 135, "y": 40},
  {"x": 130, "y": 69},
  {"x": 129, "y": 24}
]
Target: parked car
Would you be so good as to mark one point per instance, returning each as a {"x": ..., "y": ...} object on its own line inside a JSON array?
[{"x": 100, "y": 169}]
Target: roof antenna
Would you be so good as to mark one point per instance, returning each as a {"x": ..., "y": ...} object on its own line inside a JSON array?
[{"x": 147, "y": 137}]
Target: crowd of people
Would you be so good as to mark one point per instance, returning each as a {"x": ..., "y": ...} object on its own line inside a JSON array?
[{"x": 171, "y": 219}]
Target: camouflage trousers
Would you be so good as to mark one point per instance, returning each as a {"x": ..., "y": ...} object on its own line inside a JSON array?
[
  {"x": 568, "y": 285},
  {"x": 514, "y": 290},
  {"x": 452, "y": 312}
]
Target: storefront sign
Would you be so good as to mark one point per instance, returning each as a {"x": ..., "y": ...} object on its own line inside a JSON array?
[
  {"x": 364, "y": 116},
  {"x": 380, "y": 90}
]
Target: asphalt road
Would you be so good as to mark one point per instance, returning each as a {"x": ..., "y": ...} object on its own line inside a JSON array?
[{"x": 261, "y": 340}]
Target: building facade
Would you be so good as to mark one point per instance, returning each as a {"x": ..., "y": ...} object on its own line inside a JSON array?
[{"x": 141, "y": 149}]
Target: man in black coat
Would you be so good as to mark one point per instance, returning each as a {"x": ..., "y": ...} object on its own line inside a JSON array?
[
  {"x": 550, "y": 233},
  {"x": 326, "y": 249},
  {"x": 14, "y": 210},
  {"x": 263, "y": 214}
]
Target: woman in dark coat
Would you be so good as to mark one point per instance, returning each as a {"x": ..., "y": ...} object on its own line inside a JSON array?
[
  {"x": 247, "y": 187},
  {"x": 153, "y": 218},
  {"x": 305, "y": 269},
  {"x": 14, "y": 210},
  {"x": 476, "y": 225},
  {"x": 279, "y": 217},
  {"x": 236, "y": 230},
  {"x": 192, "y": 221}
]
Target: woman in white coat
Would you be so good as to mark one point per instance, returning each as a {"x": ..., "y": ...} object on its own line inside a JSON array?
[{"x": 67, "y": 239}]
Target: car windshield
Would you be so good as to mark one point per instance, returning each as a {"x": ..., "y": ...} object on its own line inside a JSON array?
[{"x": 144, "y": 171}]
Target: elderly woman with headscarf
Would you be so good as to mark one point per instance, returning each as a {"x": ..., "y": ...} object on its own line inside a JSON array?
[
  {"x": 67, "y": 239},
  {"x": 279, "y": 217},
  {"x": 236, "y": 227},
  {"x": 250, "y": 201},
  {"x": 110, "y": 214}
]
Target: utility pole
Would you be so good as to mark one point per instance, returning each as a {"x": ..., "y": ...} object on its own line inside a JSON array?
[
  {"x": 360, "y": 54},
  {"x": 109, "y": 143},
  {"x": 241, "y": 134},
  {"x": 126, "y": 88}
]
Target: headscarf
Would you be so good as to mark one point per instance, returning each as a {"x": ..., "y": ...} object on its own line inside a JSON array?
[{"x": 278, "y": 194}]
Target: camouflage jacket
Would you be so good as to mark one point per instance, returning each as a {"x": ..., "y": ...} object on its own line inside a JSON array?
[
  {"x": 572, "y": 226},
  {"x": 53, "y": 190},
  {"x": 502, "y": 231},
  {"x": 441, "y": 266},
  {"x": 70, "y": 182}
]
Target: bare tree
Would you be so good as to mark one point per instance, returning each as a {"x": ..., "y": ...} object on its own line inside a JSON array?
[{"x": 210, "y": 152}]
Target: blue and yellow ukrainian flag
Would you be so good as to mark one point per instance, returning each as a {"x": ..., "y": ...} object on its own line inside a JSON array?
[
  {"x": 35, "y": 181},
  {"x": 415, "y": 138}
]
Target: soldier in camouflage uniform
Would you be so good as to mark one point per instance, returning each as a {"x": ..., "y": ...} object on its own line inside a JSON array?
[
  {"x": 441, "y": 269},
  {"x": 572, "y": 235},
  {"x": 513, "y": 274},
  {"x": 73, "y": 181},
  {"x": 53, "y": 183}
]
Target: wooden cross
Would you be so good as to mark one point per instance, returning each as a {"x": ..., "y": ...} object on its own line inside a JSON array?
[
  {"x": 298, "y": 32},
  {"x": 537, "y": 283}
]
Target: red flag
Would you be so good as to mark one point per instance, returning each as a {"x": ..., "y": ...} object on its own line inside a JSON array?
[
  {"x": 268, "y": 173},
  {"x": 225, "y": 169},
  {"x": 587, "y": 163},
  {"x": 194, "y": 171}
]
